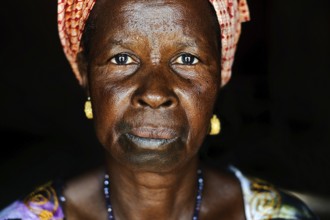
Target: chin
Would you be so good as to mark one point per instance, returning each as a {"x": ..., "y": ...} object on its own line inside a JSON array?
[{"x": 149, "y": 154}]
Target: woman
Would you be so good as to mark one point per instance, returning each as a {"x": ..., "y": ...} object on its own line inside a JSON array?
[{"x": 152, "y": 72}]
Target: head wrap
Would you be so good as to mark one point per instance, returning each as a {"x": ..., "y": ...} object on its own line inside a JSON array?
[{"x": 73, "y": 14}]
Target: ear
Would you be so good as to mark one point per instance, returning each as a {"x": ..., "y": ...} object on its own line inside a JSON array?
[{"x": 83, "y": 70}]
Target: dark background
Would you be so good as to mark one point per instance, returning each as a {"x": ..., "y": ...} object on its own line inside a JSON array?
[{"x": 275, "y": 112}]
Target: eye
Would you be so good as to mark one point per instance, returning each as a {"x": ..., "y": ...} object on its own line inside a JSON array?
[
  {"x": 186, "y": 59},
  {"x": 122, "y": 59}
]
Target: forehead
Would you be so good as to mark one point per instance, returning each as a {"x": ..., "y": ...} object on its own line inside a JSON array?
[
  {"x": 156, "y": 15},
  {"x": 159, "y": 25}
]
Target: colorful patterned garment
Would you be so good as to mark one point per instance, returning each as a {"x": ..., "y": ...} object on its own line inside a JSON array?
[
  {"x": 262, "y": 201},
  {"x": 73, "y": 14},
  {"x": 42, "y": 204}
]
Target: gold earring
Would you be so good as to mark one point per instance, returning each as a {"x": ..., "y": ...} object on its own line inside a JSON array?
[
  {"x": 215, "y": 125},
  {"x": 88, "y": 108}
]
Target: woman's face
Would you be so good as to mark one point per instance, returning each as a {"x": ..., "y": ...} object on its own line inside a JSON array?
[{"x": 153, "y": 77}]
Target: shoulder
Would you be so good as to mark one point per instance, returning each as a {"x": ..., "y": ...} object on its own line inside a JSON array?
[
  {"x": 83, "y": 197},
  {"x": 222, "y": 195},
  {"x": 262, "y": 200},
  {"x": 43, "y": 203}
]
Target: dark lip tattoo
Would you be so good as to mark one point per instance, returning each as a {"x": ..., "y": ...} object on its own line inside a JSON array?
[
  {"x": 151, "y": 134},
  {"x": 150, "y": 143}
]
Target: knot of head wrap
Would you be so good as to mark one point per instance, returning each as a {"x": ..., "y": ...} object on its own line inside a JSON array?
[{"x": 73, "y": 14}]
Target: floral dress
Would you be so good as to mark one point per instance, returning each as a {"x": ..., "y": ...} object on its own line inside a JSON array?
[{"x": 262, "y": 201}]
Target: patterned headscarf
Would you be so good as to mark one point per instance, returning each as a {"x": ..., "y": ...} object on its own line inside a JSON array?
[{"x": 73, "y": 14}]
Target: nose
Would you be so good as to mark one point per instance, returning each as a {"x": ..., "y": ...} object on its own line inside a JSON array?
[{"x": 154, "y": 91}]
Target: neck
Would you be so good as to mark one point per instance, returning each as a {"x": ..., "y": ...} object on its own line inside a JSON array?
[{"x": 148, "y": 195}]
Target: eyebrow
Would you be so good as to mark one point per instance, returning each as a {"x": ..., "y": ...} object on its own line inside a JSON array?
[
  {"x": 116, "y": 42},
  {"x": 188, "y": 43}
]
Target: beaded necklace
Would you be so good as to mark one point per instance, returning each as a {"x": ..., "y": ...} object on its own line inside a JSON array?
[{"x": 200, "y": 185}]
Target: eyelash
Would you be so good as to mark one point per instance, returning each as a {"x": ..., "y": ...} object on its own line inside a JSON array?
[
  {"x": 186, "y": 59},
  {"x": 183, "y": 59},
  {"x": 122, "y": 59}
]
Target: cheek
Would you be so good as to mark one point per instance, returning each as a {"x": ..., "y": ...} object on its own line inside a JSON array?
[
  {"x": 204, "y": 93},
  {"x": 109, "y": 103},
  {"x": 199, "y": 105}
]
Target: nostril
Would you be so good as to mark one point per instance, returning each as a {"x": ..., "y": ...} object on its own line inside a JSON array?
[
  {"x": 167, "y": 103},
  {"x": 154, "y": 103},
  {"x": 142, "y": 103}
]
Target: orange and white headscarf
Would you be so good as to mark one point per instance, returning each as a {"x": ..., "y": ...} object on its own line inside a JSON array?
[{"x": 73, "y": 14}]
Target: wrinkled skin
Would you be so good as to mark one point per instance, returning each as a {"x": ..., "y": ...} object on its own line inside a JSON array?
[
  {"x": 153, "y": 74},
  {"x": 153, "y": 94}
]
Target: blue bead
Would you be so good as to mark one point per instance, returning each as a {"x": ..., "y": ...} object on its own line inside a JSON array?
[{"x": 197, "y": 204}]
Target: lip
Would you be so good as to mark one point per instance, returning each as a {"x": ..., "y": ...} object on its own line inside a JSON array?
[
  {"x": 153, "y": 133},
  {"x": 150, "y": 143}
]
